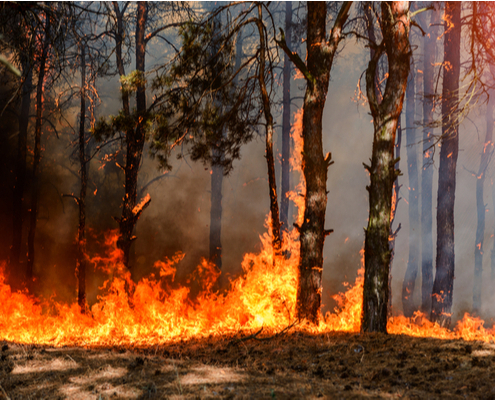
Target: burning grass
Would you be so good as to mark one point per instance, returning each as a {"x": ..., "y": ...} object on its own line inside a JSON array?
[{"x": 155, "y": 311}]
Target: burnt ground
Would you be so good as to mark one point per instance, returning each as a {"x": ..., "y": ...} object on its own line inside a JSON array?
[{"x": 290, "y": 366}]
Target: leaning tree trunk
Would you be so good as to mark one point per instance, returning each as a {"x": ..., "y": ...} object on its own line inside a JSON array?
[
  {"x": 320, "y": 54},
  {"x": 131, "y": 211},
  {"x": 33, "y": 214},
  {"x": 443, "y": 286},
  {"x": 395, "y": 32},
  {"x": 20, "y": 175},
  {"x": 83, "y": 173},
  {"x": 486, "y": 156},
  {"x": 430, "y": 49},
  {"x": 272, "y": 184},
  {"x": 412, "y": 171},
  {"x": 286, "y": 139}
]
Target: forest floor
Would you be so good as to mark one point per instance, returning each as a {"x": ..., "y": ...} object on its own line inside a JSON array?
[{"x": 291, "y": 366}]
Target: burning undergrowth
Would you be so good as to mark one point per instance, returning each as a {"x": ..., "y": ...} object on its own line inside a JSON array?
[{"x": 157, "y": 310}]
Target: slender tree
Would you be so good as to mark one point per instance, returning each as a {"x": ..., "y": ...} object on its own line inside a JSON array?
[
  {"x": 320, "y": 55},
  {"x": 286, "y": 139},
  {"x": 40, "y": 87},
  {"x": 20, "y": 168},
  {"x": 83, "y": 174},
  {"x": 430, "y": 50},
  {"x": 275, "y": 221},
  {"x": 394, "y": 24},
  {"x": 414, "y": 223},
  {"x": 443, "y": 285},
  {"x": 486, "y": 156}
]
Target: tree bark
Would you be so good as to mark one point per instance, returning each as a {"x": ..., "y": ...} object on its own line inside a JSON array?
[
  {"x": 286, "y": 139},
  {"x": 486, "y": 156},
  {"x": 320, "y": 54},
  {"x": 430, "y": 43},
  {"x": 134, "y": 146},
  {"x": 37, "y": 154},
  {"x": 20, "y": 177},
  {"x": 414, "y": 226},
  {"x": 83, "y": 173},
  {"x": 395, "y": 25},
  {"x": 443, "y": 285}
]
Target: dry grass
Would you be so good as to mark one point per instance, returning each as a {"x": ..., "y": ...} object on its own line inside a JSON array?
[{"x": 295, "y": 365}]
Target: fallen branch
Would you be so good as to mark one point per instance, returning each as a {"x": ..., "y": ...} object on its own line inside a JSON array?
[{"x": 255, "y": 335}]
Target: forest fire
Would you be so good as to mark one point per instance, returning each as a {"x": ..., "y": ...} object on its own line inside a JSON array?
[{"x": 151, "y": 312}]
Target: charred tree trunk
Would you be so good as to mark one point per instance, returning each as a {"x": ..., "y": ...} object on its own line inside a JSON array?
[
  {"x": 286, "y": 139},
  {"x": 134, "y": 144},
  {"x": 486, "y": 155},
  {"x": 276, "y": 240},
  {"x": 443, "y": 285},
  {"x": 320, "y": 54},
  {"x": 430, "y": 43},
  {"x": 414, "y": 227},
  {"x": 395, "y": 31},
  {"x": 81, "y": 232},
  {"x": 33, "y": 214},
  {"x": 20, "y": 177}
]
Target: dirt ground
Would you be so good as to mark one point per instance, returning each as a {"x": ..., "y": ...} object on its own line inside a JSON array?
[{"x": 291, "y": 366}]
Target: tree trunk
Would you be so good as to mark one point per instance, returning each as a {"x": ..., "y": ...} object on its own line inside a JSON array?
[
  {"x": 216, "y": 216},
  {"x": 393, "y": 212},
  {"x": 395, "y": 31},
  {"x": 272, "y": 184},
  {"x": 20, "y": 177},
  {"x": 37, "y": 155},
  {"x": 286, "y": 139},
  {"x": 320, "y": 54},
  {"x": 443, "y": 285},
  {"x": 414, "y": 227},
  {"x": 135, "y": 144},
  {"x": 480, "y": 207},
  {"x": 430, "y": 43},
  {"x": 81, "y": 233}
]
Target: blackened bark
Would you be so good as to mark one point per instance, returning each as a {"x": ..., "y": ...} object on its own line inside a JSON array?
[
  {"x": 272, "y": 184},
  {"x": 83, "y": 173},
  {"x": 395, "y": 25},
  {"x": 134, "y": 144},
  {"x": 33, "y": 214},
  {"x": 320, "y": 54},
  {"x": 480, "y": 207},
  {"x": 430, "y": 43},
  {"x": 443, "y": 285},
  {"x": 20, "y": 176},
  {"x": 286, "y": 139},
  {"x": 414, "y": 226}
]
